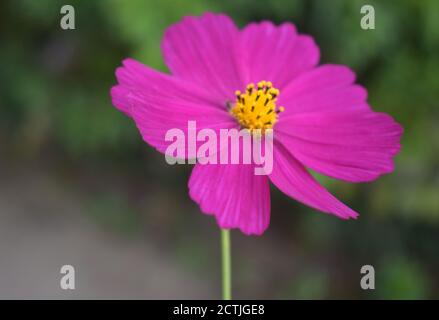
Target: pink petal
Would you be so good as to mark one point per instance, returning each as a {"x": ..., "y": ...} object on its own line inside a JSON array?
[
  {"x": 158, "y": 102},
  {"x": 205, "y": 50},
  {"x": 277, "y": 53},
  {"x": 119, "y": 96},
  {"x": 233, "y": 194},
  {"x": 292, "y": 178},
  {"x": 326, "y": 88},
  {"x": 350, "y": 145}
]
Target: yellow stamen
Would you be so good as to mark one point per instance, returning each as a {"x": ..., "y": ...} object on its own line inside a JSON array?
[{"x": 256, "y": 109}]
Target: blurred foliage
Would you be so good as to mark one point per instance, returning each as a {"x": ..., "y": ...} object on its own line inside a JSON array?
[
  {"x": 402, "y": 279},
  {"x": 114, "y": 212},
  {"x": 54, "y": 96}
]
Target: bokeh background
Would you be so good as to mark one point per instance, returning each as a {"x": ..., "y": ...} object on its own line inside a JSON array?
[{"x": 78, "y": 186}]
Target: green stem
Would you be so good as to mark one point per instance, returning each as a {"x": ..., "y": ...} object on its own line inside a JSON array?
[{"x": 226, "y": 264}]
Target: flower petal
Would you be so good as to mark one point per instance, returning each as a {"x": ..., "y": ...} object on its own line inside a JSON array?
[
  {"x": 291, "y": 177},
  {"x": 158, "y": 102},
  {"x": 277, "y": 53},
  {"x": 205, "y": 50},
  {"x": 233, "y": 194},
  {"x": 326, "y": 88},
  {"x": 350, "y": 145}
]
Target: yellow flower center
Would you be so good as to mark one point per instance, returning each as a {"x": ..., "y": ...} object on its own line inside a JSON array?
[{"x": 256, "y": 107}]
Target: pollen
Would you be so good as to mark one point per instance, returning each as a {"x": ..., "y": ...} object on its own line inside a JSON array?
[{"x": 256, "y": 107}]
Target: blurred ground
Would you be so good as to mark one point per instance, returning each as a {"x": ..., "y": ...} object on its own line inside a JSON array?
[{"x": 44, "y": 227}]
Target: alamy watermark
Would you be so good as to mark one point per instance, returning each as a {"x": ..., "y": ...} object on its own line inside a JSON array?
[
  {"x": 367, "y": 281},
  {"x": 368, "y": 20},
  {"x": 231, "y": 146},
  {"x": 67, "y": 281},
  {"x": 67, "y": 21}
]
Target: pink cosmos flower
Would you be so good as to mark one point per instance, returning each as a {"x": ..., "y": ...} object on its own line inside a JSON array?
[{"x": 326, "y": 124}]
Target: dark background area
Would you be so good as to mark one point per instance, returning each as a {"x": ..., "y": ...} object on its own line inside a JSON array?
[{"x": 78, "y": 185}]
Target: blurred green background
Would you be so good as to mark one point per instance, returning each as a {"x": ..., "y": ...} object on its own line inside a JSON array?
[{"x": 72, "y": 167}]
